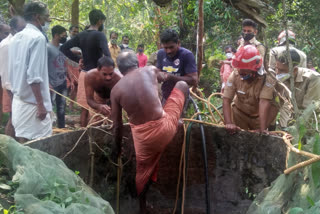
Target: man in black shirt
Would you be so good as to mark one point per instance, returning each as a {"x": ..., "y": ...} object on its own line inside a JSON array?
[{"x": 93, "y": 44}]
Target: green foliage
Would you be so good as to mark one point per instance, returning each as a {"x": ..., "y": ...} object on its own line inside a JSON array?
[
  {"x": 303, "y": 19},
  {"x": 4, "y": 14},
  {"x": 210, "y": 74},
  {"x": 53, "y": 195},
  {"x": 316, "y": 166},
  {"x": 302, "y": 132},
  {"x": 250, "y": 194},
  {"x": 310, "y": 201},
  {"x": 296, "y": 210},
  {"x": 137, "y": 19}
]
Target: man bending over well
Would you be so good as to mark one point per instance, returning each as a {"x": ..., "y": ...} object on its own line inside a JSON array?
[
  {"x": 152, "y": 125},
  {"x": 98, "y": 83}
]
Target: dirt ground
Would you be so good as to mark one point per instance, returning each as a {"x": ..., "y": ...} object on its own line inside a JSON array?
[{"x": 72, "y": 118}]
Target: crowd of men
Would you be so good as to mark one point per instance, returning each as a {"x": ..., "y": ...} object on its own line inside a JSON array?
[
  {"x": 105, "y": 78},
  {"x": 101, "y": 76}
]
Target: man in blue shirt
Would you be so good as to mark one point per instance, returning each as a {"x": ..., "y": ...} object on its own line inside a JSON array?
[{"x": 178, "y": 63}]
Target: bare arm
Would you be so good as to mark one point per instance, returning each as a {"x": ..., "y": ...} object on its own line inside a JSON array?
[
  {"x": 104, "y": 109},
  {"x": 191, "y": 79},
  {"x": 264, "y": 110},
  {"x": 117, "y": 120},
  {"x": 227, "y": 110},
  {"x": 69, "y": 74},
  {"x": 42, "y": 112},
  {"x": 66, "y": 48},
  {"x": 230, "y": 126}
]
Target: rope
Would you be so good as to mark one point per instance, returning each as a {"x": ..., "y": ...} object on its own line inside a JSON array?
[
  {"x": 91, "y": 111},
  {"x": 209, "y": 104},
  {"x": 285, "y": 136},
  {"x": 302, "y": 164},
  {"x": 181, "y": 164},
  {"x": 313, "y": 158},
  {"x": 214, "y": 123}
]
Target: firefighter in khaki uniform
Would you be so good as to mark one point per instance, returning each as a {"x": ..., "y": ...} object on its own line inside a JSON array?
[
  {"x": 278, "y": 51},
  {"x": 306, "y": 84},
  {"x": 252, "y": 93}
]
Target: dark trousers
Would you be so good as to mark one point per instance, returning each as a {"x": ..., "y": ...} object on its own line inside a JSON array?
[{"x": 60, "y": 103}]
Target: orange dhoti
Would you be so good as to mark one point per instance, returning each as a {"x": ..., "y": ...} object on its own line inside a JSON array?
[
  {"x": 73, "y": 73},
  {"x": 151, "y": 139},
  {"x": 81, "y": 94}
]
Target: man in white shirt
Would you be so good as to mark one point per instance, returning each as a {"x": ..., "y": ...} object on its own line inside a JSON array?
[
  {"x": 17, "y": 24},
  {"x": 28, "y": 74}
]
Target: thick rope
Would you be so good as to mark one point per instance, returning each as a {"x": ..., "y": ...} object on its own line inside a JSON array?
[
  {"x": 285, "y": 136},
  {"x": 181, "y": 164},
  {"x": 209, "y": 104},
  {"x": 93, "y": 112},
  {"x": 214, "y": 123}
]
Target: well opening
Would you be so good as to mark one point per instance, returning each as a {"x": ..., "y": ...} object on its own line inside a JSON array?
[{"x": 239, "y": 167}]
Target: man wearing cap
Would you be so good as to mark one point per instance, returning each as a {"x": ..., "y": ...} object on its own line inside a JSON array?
[
  {"x": 306, "y": 84},
  {"x": 277, "y": 51},
  {"x": 248, "y": 94}
]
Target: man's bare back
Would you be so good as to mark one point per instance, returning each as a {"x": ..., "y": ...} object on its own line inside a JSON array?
[
  {"x": 152, "y": 126},
  {"x": 137, "y": 93}
]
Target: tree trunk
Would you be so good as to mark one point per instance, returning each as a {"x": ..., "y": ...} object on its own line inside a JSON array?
[
  {"x": 159, "y": 26},
  {"x": 75, "y": 13},
  {"x": 200, "y": 38},
  {"x": 16, "y": 7},
  {"x": 252, "y": 9}
]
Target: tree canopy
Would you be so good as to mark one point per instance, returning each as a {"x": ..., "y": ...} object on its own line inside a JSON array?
[{"x": 142, "y": 20}]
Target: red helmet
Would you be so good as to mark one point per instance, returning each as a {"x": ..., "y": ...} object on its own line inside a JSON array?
[
  {"x": 247, "y": 57},
  {"x": 282, "y": 37}
]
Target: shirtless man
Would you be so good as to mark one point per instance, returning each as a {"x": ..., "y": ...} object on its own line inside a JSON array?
[
  {"x": 152, "y": 125},
  {"x": 98, "y": 85}
]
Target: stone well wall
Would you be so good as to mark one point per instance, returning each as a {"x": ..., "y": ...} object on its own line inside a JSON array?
[{"x": 239, "y": 167}]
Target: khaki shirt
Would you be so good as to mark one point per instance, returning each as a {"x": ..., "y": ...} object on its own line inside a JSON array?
[
  {"x": 249, "y": 93},
  {"x": 259, "y": 46},
  {"x": 114, "y": 51},
  {"x": 280, "y": 50},
  {"x": 307, "y": 88}
]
